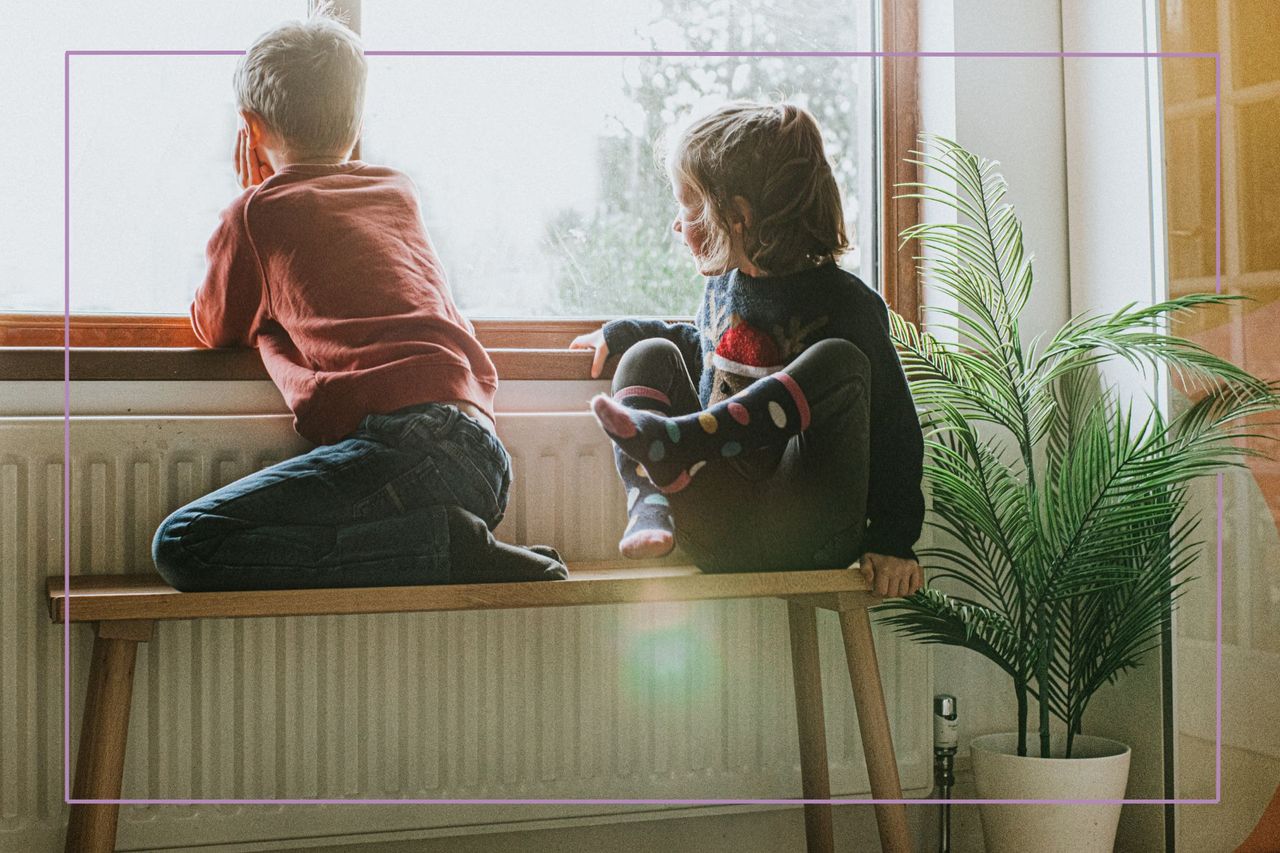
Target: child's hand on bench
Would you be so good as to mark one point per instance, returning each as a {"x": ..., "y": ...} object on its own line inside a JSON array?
[
  {"x": 593, "y": 340},
  {"x": 891, "y": 577}
]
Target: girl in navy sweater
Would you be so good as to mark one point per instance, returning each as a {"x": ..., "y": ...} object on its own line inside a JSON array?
[{"x": 777, "y": 431}]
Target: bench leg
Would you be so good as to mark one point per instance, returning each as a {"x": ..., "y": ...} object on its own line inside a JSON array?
[
  {"x": 103, "y": 732},
  {"x": 873, "y": 724},
  {"x": 815, "y": 781}
]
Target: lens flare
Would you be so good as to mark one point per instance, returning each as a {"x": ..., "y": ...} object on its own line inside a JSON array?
[{"x": 668, "y": 657}]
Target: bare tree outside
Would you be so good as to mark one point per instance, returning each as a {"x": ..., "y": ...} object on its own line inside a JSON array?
[{"x": 621, "y": 257}]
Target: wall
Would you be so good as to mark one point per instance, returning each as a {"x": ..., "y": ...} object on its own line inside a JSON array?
[
  {"x": 1072, "y": 139},
  {"x": 1117, "y": 257},
  {"x": 1009, "y": 110}
]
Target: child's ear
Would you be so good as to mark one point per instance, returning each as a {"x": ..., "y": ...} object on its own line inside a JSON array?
[{"x": 745, "y": 216}]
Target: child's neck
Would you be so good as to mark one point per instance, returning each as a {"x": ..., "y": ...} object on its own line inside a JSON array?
[
  {"x": 738, "y": 260},
  {"x": 281, "y": 159},
  {"x": 313, "y": 161}
]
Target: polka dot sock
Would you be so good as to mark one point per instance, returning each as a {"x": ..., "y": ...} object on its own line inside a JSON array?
[
  {"x": 650, "y": 529},
  {"x": 673, "y": 449}
]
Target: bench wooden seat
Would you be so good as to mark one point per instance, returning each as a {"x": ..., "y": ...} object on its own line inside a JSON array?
[
  {"x": 115, "y": 597},
  {"x": 124, "y": 609}
]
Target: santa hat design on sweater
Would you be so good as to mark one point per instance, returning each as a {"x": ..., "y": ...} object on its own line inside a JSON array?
[{"x": 744, "y": 350}]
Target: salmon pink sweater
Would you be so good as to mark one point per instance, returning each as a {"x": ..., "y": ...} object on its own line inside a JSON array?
[{"x": 329, "y": 272}]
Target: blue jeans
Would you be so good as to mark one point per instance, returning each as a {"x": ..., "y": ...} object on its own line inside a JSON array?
[{"x": 366, "y": 511}]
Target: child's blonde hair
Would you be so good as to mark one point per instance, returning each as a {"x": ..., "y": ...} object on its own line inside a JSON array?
[
  {"x": 772, "y": 156},
  {"x": 305, "y": 79}
]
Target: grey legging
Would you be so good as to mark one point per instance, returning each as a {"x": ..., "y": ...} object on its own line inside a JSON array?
[{"x": 800, "y": 505}]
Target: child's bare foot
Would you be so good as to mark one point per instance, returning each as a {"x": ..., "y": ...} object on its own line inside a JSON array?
[{"x": 647, "y": 544}]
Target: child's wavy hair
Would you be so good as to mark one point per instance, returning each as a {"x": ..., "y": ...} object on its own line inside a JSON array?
[{"x": 772, "y": 156}]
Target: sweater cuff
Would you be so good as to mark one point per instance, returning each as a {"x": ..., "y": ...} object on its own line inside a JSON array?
[
  {"x": 620, "y": 336},
  {"x": 616, "y": 336},
  {"x": 877, "y": 544}
]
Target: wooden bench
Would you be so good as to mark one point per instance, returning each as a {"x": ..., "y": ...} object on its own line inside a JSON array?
[{"x": 123, "y": 610}]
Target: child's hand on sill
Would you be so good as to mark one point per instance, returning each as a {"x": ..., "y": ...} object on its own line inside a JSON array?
[
  {"x": 891, "y": 577},
  {"x": 593, "y": 340},
  {"x": 251, "y": 167}
]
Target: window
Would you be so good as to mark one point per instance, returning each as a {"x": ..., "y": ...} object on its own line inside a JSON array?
[
  {"x": 537, "y": 174},
  {"x": 150, "y": 163}
]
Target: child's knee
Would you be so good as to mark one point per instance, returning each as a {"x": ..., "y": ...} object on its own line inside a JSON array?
[
  {"x": 175, "y": 563},
  {"x": 651, "y": 360},
  {"x": 840, "y": 355}
]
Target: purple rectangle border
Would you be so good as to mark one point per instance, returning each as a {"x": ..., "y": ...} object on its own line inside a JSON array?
[{"x": 832, "y": 54}]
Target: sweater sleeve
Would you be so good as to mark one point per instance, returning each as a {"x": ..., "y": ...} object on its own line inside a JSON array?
[
  {"x": 622, "y": 335},
  {"x": 895, "y": 502},
  {"x": 231, "y": 304}
]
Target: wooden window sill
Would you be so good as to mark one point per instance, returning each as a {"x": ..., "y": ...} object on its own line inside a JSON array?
[
  {"x": 174, "y": 331},
  {"x": 113, "y": 348},
  {"x": 105, "y": 364}
]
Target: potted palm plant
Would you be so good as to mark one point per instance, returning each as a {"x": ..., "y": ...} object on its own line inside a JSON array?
[{"x": 1060, "y": 508}]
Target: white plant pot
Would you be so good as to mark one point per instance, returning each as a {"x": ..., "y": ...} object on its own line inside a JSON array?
[{"x": 1097, "y": 770}]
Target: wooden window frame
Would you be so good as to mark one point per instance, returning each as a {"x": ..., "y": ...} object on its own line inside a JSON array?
[
  {"x": 899, "y": 126},
  {"x": 116, "y": 346}
]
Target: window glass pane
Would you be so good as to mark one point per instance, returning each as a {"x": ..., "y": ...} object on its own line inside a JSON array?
[
  {"x": 146, "y": 184},
  {"x": 1259, "y": 186},
  {"x": 538, "y": 176},
  {"x": 1254, "y": 24},
  {"x": 1189, "y": 142},
  {"x": 723, "y": 25},
  {"x": 150, "y": 148},
  {"x": 1190, "y": 26}
]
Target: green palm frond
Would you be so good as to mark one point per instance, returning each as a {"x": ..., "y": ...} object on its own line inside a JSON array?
[
  {"x": 978, "y": 261},
  {"x": 1061, "y": 530},
  {"x": 990, "y": 237},
  {"x": 1133, "y": 334},
  {"x": 974, "y": 485},
  {"x": 1076, "y": 398},
  {"x": 1092, "y": 513},
  {"x": 1217, "y": 418},
  {"x": 1111, "y": 633},
  {"x": 932, "y": 617},
  {"x": 959, "y": 376}
]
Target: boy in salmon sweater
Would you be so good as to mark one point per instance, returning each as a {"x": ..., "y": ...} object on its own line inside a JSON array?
[{"x": 323, "y": 264}]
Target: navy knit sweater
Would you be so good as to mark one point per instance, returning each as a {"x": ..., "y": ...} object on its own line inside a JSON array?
[{"x": 747, "y": 327}]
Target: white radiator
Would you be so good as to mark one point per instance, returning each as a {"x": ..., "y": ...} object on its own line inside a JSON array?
[{"x": 639, "y": 701}]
